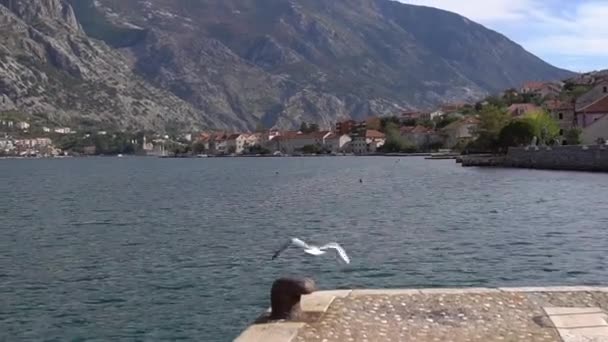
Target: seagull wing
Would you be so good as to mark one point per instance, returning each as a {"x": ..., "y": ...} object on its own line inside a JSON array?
[
  {"x": 294, "y": 241},
  {"x": 339, "y": 249},
  {"x": 300, "y": 243}
]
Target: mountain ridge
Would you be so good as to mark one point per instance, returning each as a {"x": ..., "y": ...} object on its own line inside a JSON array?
[{"x": 236, "y": 64}]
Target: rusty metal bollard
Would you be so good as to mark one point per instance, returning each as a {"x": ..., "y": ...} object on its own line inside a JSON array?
[{"x": 285, "y": 297}]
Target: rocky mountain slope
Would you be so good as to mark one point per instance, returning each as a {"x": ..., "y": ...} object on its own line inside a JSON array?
[{"x": 238, "y": 63}]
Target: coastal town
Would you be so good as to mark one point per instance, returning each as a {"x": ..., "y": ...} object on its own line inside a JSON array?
[{"x": 577, "y": 108}]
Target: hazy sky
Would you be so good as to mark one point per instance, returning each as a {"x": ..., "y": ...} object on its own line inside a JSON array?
[{"x": 572, "y": 34}]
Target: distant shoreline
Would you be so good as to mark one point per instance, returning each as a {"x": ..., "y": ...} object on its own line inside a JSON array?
[{"x": 228, "y": 156}]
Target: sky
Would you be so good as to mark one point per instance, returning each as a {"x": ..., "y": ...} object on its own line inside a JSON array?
[{"x": 571, "y": 34}]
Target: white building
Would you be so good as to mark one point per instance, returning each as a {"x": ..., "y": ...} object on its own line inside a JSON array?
[
  {"x": 237, "y": 142},
  {"x": 6, "y": 145},
  {"x": 147, "y": 146},
  {"x": 63, "y": 130},
  {"x": 22, "y": 125},
  {"x": 187, "y": 137},
  {"x": 338, "y": 143}
]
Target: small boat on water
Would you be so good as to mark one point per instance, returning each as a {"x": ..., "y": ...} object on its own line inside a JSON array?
[
  {"x": 202, "y": 156},
  {"x": 119, "y": 155}
]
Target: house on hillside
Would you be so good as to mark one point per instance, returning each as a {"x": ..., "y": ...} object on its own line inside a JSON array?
[
  {"x": 22, "y": 125},
  {"x": 236, "y": 143},
  {"x": 460, "y": 131},
  {"x": 563, "y": 113},
  {"x": 412, "y": 115},
  {"x": 217, "y": 143},
  {"x": 520, "y": 109},
  {"x": 345, "y": 127},
  {"x": 596, "y": 132},
  {"x": 591, "y": 106},
  {"x": 436, "y": 114},
  {"x": 422, "y": 137},
  {"x": 367, "y": 142},
  {"x": 337, "y": 143},
  {"x": 353, "y": 127},
  {"x": 589, "y": 115},
  {"x": 542, "y": 89},
  {"x": 254, "y": 139}
]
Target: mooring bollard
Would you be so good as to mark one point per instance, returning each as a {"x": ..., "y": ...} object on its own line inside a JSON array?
[{"x": 285, "y": 297}]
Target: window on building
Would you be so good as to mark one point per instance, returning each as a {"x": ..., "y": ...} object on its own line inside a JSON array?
[
  {"x": 561, "y": 132},
  {"x": 605, "y": 89},
  {"x": 560, "y": 116}
]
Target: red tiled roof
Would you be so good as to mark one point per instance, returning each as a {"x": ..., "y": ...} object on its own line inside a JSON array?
[
  {"x": 373, "y": 134},
  {"x": 599, "y": 106}
]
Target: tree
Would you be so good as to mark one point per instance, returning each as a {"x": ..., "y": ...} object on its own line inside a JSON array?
[
  {"x": 395, "y": 142},
  {"x": 444, "y": 121},
  {"x": 426, "y": 123},
  {"x": 199, "y": 147},
  {"x": 393, "y": 121},
  {"x": 492, "y": 120},
  {"x": 312, "y": 149},
  {"x": 516, "y": 133},
  {"x": 496, "y": 101},
  {"x": 309, "y": 128},
  {"x": 573, "y": 136},
  {"x": 546, "y": 129},
  {"x": 257, "y": 149}
]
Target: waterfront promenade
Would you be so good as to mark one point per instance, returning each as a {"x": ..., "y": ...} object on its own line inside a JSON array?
[{"x": 569, "y": 314}]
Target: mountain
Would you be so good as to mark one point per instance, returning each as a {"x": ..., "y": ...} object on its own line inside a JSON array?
[{"x": 234, "y": 64}]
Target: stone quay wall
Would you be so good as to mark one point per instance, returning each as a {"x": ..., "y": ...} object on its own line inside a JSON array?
[{"x": 578, "y": 158}]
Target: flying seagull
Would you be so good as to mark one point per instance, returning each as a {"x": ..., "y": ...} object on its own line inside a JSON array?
[{"x": 314, "y": 250}]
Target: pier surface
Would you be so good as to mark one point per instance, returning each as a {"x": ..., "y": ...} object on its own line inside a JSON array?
[{"x": 569, "y": 314}]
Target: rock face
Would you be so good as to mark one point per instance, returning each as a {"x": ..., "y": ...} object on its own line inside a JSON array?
[
  {"x": 237, "y": 63},
  {"x": 51, "y": 69}
]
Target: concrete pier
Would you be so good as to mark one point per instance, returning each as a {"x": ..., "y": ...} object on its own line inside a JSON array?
[{"x": 569, "y": 314}]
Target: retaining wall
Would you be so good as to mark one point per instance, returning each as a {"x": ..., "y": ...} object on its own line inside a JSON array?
[{"x": 581, "y": 158}]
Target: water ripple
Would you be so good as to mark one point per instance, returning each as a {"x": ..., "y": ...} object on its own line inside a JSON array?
[{"x": 152, "y": 249}]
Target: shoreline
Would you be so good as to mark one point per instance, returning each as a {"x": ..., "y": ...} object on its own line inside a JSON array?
[{"x": 229, "y": 156}]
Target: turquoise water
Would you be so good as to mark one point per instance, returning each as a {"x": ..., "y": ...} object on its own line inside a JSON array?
[{"x": 150, "y": 249}]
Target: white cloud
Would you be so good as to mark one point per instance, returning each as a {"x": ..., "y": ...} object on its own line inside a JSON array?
[{"x": 564, "y": 32}]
